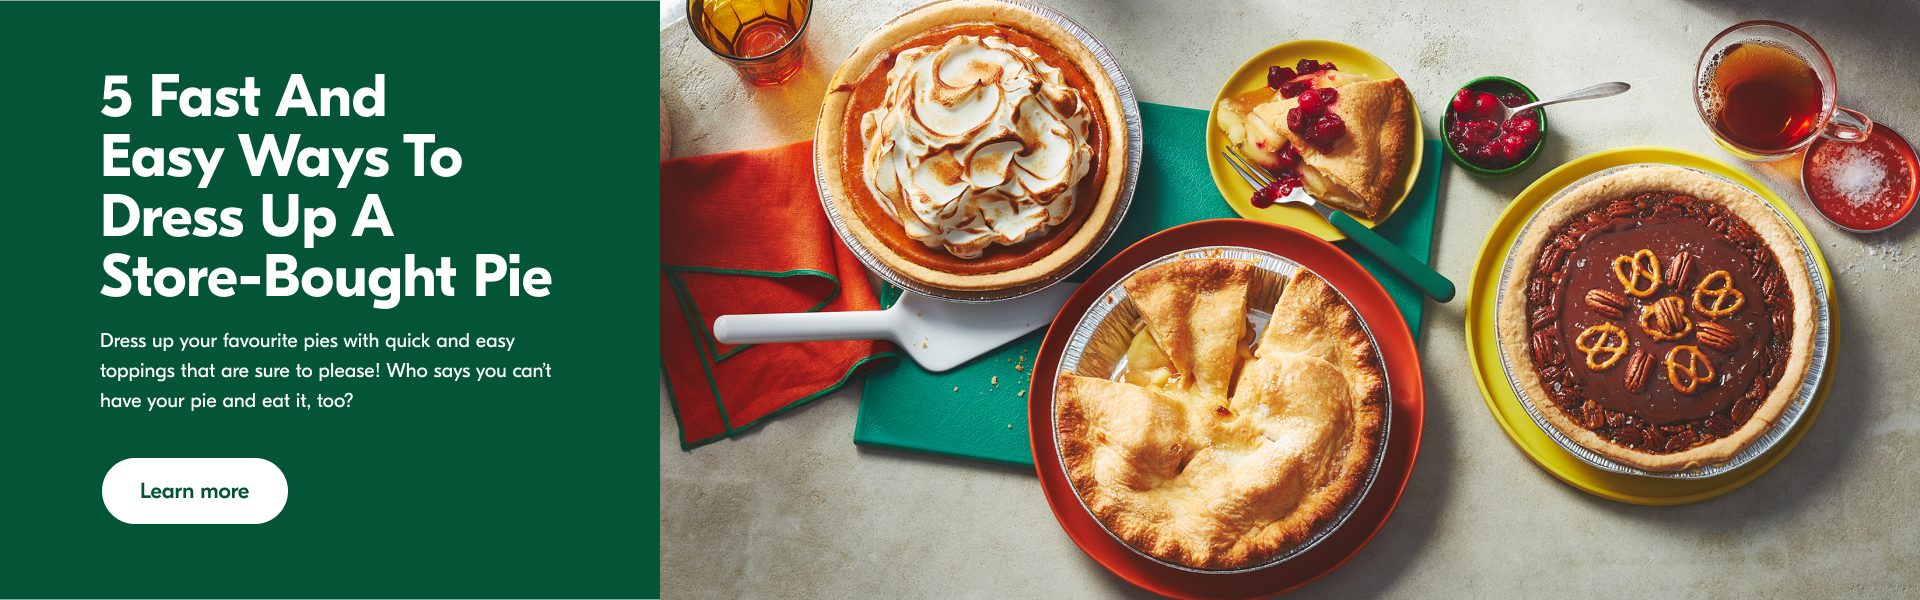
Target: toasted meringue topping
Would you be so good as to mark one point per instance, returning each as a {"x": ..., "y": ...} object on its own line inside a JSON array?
[{"x": 977, "y": 142}]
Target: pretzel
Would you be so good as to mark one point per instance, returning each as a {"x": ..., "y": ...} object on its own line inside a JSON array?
[
  {"x": 1686, "y": 373},
  {"x": 1720, "y": 294},
  {"x": 1595, "y": 341},
  {"x": 1631, "y": 272}
]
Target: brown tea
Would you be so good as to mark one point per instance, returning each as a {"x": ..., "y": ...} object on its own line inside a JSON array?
[
  {"x": 1765, "y": 97},
  {"x": 760, "y": 38}
]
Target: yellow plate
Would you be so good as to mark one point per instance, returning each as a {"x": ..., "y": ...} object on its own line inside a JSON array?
[
  {"x": 1483, "y": 348},
  {"x": 1253, "y": 75}
]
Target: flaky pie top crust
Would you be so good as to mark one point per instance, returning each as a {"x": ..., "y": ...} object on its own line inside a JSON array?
[{"x": 1226, "y": 468}]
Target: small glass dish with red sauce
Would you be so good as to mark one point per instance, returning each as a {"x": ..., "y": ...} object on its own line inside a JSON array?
[
  {"x": 1485, "y": 147},
  {"x": 1864, "y": 186}
]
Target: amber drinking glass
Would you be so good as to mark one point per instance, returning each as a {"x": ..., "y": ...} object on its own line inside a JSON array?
[
  {"x": 1766, "y": 90},
  {"x": 762, "y": 39}
]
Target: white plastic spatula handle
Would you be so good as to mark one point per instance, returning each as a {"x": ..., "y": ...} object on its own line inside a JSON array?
[
  {"x": 805, "y": 327},
  {"x": 938, "y": 335}
]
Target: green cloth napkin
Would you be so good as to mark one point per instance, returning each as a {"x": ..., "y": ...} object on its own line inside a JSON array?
[{"x": 979, "y": 410}]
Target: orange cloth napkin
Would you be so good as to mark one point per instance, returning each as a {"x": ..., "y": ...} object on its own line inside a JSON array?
[{"x": 743, "y": 233}]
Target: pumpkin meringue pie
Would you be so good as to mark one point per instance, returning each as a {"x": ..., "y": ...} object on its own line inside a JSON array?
[{"x": 973, "y": 145}]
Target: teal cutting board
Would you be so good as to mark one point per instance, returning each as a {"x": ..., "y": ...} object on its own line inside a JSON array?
[{"x": 979, "y": 410}]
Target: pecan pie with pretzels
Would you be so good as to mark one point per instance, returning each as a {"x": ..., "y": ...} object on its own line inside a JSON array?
[
  {"x": 1660, "y": 317},
  {"x": 973, "y": 145}
]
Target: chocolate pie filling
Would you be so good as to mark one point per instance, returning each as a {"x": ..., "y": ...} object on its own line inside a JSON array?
[{"x": 1657, "y": 417}]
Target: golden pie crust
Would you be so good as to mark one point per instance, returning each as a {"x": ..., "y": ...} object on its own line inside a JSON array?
[
  {"x": 1358, "y": 173},
  {"x": 1209, "y": 475},
  {"x": 1360, "y": 169},
  {"x": 1773, "y": 231},
  {"x": 831, "y": 142}
]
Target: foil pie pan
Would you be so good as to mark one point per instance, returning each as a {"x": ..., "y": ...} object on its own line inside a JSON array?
[
  {"x": 1129, "y": 111},
  {"x": 1816, "y": 367},
  {"x": 1098, "y": 348}
]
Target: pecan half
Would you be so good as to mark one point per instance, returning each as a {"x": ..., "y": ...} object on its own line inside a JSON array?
[
  {"x": 1680, "y": 441},
  {"x": 1591, "y": 415},
  {"x": 1780, "y": 301},
  {"x": 1550, "y": 258},
  {"x": 1607, "y": 303},
  {"x": 1666, "y": 319},
  {"x": 1538, "y": 290},
  {"x": 1638, "y": 368},
  {"x": 1543, "y": 347},
  {"x": 1543, "y": 317},
  {"x": 1716, "y": 336},
  {"x": 1719, "y": 425},
  {"x": 1656, "y": 439},
  {"x": 1743, "y": 409},
  {"x": 1671, "y": 309},
  {"x": 1678, "y": 269},
  {"x": 1629, "y": 437},
  {"x": 1616, "y": 419},
  {"x": 1771, "y": 284}
]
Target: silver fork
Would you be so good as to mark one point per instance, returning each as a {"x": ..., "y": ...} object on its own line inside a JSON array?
[{"x": 1430, "y": 282}]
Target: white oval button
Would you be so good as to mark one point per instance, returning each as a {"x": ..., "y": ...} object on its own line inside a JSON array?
[{"x": 194, "y": 491}]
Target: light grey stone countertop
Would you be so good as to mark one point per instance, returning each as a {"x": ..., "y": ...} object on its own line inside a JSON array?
[{"x": 795, "y": 509}]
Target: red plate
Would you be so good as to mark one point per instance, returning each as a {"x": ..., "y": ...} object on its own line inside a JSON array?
[{"x": 1403, "y": 374}]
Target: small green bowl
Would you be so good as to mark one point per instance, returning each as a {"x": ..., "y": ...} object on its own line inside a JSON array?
[{"x": 1495, "y": 85}]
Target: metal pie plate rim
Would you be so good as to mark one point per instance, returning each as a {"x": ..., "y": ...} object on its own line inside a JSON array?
[
  {"x": 1130, "y": 112},
  {"x": 1789, "y": 418},
  {"x": 1115, "y": 296}
]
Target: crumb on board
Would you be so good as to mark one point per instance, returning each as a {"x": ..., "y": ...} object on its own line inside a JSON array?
[
  {"x": 1009, "y": 426},
  {"x": 956, "y": 389},
  {"x": 1022, "y": 393},
  {"x": 995, "y": 380}
]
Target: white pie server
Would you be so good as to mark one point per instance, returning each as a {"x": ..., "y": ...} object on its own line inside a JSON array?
[{"x": 939, "y": 335}]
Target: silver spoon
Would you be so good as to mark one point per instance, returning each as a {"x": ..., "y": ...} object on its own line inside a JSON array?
[{"x": 1601, "y": 90}]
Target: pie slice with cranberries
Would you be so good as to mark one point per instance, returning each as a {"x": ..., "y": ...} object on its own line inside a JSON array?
[{"x": 1346, "y": 137}]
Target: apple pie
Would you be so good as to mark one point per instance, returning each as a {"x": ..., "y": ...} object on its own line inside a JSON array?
[{"x": 1215, "y": 449}]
